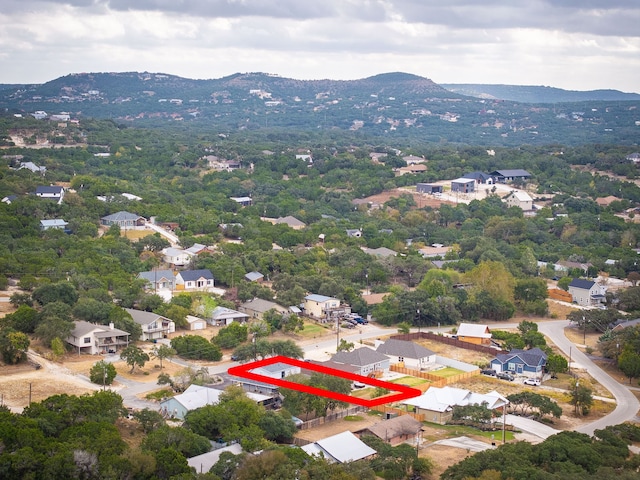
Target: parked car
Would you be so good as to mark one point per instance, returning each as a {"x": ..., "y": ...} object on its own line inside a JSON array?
[
  {"x": 347, "y": 325},
  {"x": 358, "y": 385},
  {"x": 505, "y": 376},
  {"x": 488, "y": 371},
  {"x": 532, "y": 381}
]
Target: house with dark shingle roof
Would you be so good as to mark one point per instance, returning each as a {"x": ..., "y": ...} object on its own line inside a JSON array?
[
  {"x": 367, "y": 360},
  {"x": 51, "y": 192},
  {"x": 505, "y": 176},
  {"x": 410, "y": 354},
  {"x": 521, "y": 362},
  {"x": 190, "y": 280},
  {"x": 587, "y": 293}
]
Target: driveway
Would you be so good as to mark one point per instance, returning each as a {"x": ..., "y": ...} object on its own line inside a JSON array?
[{"x": 627, "y": 404}]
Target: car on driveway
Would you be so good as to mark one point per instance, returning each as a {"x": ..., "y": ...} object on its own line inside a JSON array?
[
  {"x": 532, "y": 381},
  {"x": 505, "y": 376},
  {"x": 488, "y": 371}
]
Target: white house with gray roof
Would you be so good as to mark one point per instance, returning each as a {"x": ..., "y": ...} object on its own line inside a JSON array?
[
  {"x": 587, "y": 293},
  {"x": 410, "y": 354},
  {"x": 56, "y": 223},
  {"x": 158, "y": 280},
  {"x": 93, "y": 339},
  {"x": 153, "y": 326},
  {"x": 257, "y": 307},
  {"x": 223, "y": 316},
  {"x": 367, "y": 360},
  {"x": 193, "y": 280}
]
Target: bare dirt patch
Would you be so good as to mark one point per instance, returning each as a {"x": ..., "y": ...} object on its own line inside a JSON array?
[
  {"x": 421, "y": 200},
  {"x": 22, "y": 383}
]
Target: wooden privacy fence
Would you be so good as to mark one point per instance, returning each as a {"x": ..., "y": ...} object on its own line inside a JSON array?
[
  {"x": 454, "y": 342},
  {"x": 385, "y": 409},
  {"x": 435, "y": 380},
  {"x": 316, "y": 422}
]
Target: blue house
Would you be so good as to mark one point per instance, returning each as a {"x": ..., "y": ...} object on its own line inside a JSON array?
[{"x": 521, "y": 362}]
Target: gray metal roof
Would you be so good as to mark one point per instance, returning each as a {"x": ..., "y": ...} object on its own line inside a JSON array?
[
  {"x": 191, "y": 275},
  {"x": 121, "y": 216}
]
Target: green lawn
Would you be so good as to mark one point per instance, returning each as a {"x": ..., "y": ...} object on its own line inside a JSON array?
[
  {"x": 312, "y": 330},
  {"x": 410, "y": 381},
  {"x": 447, "y": 372},
  {"x": 458, "y": 430}
]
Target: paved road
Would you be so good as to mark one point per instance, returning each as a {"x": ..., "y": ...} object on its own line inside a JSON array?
[{"x": 627, "y": 404}]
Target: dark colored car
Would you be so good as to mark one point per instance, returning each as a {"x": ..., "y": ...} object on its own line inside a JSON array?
[
  {"x": 488, "y": 371},
  {"x": 505, "y": 376}
]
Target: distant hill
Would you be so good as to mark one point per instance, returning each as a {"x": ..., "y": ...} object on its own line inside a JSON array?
[
  {"x": 393, "y": 104},
  {"x": 537, "y": 94}
]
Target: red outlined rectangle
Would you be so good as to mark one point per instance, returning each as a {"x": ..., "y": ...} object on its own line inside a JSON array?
[{"x": 404, "y": 392}]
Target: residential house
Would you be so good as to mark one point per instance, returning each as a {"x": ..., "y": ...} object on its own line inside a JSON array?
[
  {"x": 436, "y": 404},
  {"x": 587, "y": 293},
  {"x": 382, "y": 252},
  {"x": 480, "y": 177},
  {"x": 344, "y": 447},
  {"x": 195, "y": 323},
  {"x": 413, "y": 160},
  {"x": 566, "y": 266},
  {"x": 154, "y": 326},
  {"x": 95, "y": 339},
  {"x": 463, "y": 185},
  {"x": 57, "y": 223},
  {"x": 197, "y": 249},
  {"x": 197, "y": 396},
  {"x": 8, "y": 199},
  {"x": 158, "y": 280},
  {"x": 254, "y": 277},
  {"x": 520, "y": 199},
  {"x": 623, "y": 323},
  {"x": 365, "y": 360},
  {"x": 475, "y": 333},
  {"x": 521, "y": 362},
  {"x": 435, "y": 250},
  {"x": 203, "y": 463},
  {"x": 606, "y": 201},
  {"x": 412, "y": 169},
  {"x": 277, "y": 370},
  {"x": 409, "y": 354},
  {"x": 51, "y": 192},
  {"x": 320, "y": 306},
  {"x": 124, "y": 220},
  {"x": 193, "y": 280},
  {"x": 33, "y": 167},
  {"x": 176, "y": 256},
  {"x": 257, "y": 307},
  {"x": 354, "y": 233},
  {"x": 396, "y": 430},
  {"x": 243, "y": 201},
  {"x": 429, "y": 188},
  {"x": 505, "y": 176},
  {"x": 290, "y": 221},
  {"x": 223, "y": 316}
]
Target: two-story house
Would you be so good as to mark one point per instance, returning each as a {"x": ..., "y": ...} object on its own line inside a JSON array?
[
  {"x": 587, "y": 293},
  {"x": 320, "y": 306},
  {"x": 153, "y": 326},
  {"x": 95, "y": 339}
]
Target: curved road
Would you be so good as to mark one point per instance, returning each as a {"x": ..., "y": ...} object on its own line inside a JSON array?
[{"x": 627, "y": 404}]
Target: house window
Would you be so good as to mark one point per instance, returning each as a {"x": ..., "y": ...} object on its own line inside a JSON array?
[
  {"x": 87, "y": 339},
  {"x": 401, "y": 359},
  {"x": 511, "y": 366}
]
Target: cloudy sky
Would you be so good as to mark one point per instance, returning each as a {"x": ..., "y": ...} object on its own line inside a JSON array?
[{"x": 571, "y": 44}]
